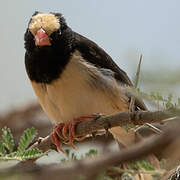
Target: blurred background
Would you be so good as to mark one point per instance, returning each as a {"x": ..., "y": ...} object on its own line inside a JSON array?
[{"x": 125, "y": 29}]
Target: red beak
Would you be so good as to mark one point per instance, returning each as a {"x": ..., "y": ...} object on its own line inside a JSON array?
[{"x": 41, "y": 38}]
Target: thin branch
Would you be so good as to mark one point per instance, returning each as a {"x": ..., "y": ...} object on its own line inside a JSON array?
[
  {"x": 136, "y": 81},
  {"x": 116, "y": 170}
]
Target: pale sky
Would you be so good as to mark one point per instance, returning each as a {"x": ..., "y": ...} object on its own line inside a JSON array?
[{"x": 124, "y": 28}]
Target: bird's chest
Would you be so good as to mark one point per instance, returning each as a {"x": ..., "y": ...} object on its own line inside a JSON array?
[{"x": 72, "y": 95}]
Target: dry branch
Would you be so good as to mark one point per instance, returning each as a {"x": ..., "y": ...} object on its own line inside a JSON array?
[
  {"x": 106, "y": 122},
  {"x": 91, "y": 167},
  {"x": 136, "y": 81}
]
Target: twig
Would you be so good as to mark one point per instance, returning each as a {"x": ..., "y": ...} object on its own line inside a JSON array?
[
  {"x": 153, "y": 128},
  {"x": 116, "y": 170},
  {"x": 136, "y": 81}
]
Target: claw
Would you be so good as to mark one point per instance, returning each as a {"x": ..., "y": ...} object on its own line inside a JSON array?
[
  {"x": 60, "y": 132},
  {"x": 73, "y": 132},
  {"x": 64, "y": 130},
  {"x": 57, "y": 130},
  {"x": 56, "y": 141}
]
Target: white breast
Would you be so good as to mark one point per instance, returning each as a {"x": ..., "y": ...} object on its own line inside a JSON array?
[{"x": 75, "y": 94}]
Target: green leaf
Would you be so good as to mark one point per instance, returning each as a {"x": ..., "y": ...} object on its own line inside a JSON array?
[
  {"x": 92, "y": 152},
  {"x": 145, "y": 165},
  {"x": 178, "y": 101},
  {"x": 26, "y": 139},
  {"x": 132, "y": 165},
  {"x": 73, "y": 156},
  {"x": 67, "y": 152},
  {"x": 11, "y": 156},
  {"x": 127, "y": 176},
  {"x": 2, "y": 149},
  {"x": 7, "y": 139},
  {"x": 29, "y": 154},
  {"x": 7, "y": 143},
  {"x": 32, "y": 153}
]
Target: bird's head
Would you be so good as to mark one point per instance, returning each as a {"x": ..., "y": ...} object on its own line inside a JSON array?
[
  {"x": 44, "y": 28},
  {"x": 49, "y": 43}
]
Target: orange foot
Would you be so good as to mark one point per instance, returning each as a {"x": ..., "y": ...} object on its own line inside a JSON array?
[{"x": 60, "y": 132}]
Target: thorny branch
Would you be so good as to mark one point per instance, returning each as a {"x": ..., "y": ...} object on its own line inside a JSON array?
[
  {"x": 136, "y": 81},
  {"x": 104, "y": 122},
  {"x": 91, "y": 167}
]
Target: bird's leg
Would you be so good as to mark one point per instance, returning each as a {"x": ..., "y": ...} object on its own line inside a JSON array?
[
  {"x": 56, "y": 130},
  {"x": 78, "y": 120},
  {"x": 71, "y": 128},
  {"x": 60, "y": 132},
  {"x": 55, "y": 140},
  {"x": 56, "y": 135}
]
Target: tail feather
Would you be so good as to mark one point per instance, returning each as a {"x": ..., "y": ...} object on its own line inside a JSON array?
[{"x": 123, "y": 137}]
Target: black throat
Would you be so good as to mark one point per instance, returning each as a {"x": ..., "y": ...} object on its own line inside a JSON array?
[{"x": 46, "y": 64}]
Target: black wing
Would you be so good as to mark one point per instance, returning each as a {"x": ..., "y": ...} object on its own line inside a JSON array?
[{"x": 97, "y": 56}]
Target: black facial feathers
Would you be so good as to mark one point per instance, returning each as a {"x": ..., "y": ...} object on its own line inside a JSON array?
[{"x": 45, "y": 64}]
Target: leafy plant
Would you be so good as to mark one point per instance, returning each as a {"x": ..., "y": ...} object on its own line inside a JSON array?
[
  {"x": 167, "y": 101},
  {"x": 141, "y": 164},
  {"x": 22, "y": 153},
  {"x": 158, "y": 99},
  {"x": 72, "y": 156},
  {"x": 91, "y": 152}
]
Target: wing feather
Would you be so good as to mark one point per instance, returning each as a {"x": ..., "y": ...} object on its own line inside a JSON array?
[{"x": 97, "y": 56}]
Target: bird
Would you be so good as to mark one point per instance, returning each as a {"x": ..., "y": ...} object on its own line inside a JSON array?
[{"x": 72, "y": 77}]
